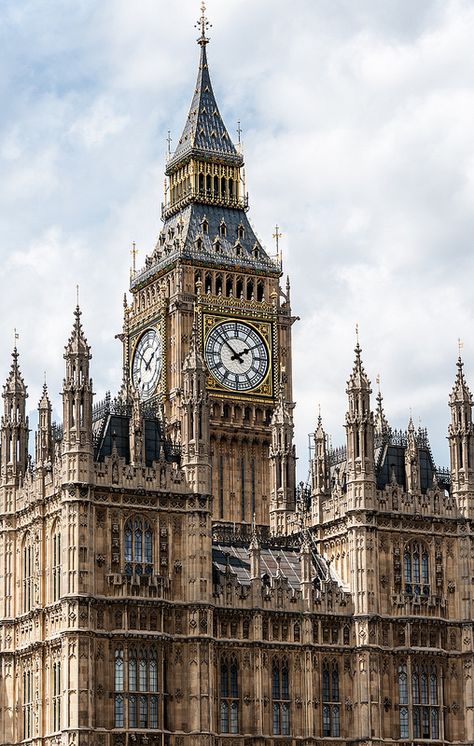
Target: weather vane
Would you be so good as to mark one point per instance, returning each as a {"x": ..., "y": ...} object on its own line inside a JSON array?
[
  {"x": 460, "y": 346},
  {"x": 16, "y": 337},
  {"x": 204, "y": 25},
  {"x": 239, "y": 131},
  {"x": 357, "y": 333},
  {"x": 169, "y": 140}
]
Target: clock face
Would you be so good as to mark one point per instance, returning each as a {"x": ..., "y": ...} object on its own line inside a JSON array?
[
  {"x": 236, "y": 355},
  {"x": 146, "y": 365}
]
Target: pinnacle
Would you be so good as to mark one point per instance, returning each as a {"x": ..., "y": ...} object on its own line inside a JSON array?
[
  {"x": 460, "y": 392},
  {"x": 77, "y": 344},
  {"x": 15, "y": 383},
  {"x": 358, "y": 378}
]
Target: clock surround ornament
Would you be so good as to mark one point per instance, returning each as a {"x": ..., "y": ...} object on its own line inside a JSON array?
[
  {"x": 237, "y": 355},
  {"x": 147, "y": 363}
]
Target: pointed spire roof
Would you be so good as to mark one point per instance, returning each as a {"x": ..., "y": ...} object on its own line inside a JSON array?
[
  {"x": 460, "y": 393},
  {"x": 358, "y": 378},
  {"x": 381, "y": 422},
  {"x": 15, "y": 383},
  {"x": 204, "y": 133},
  {"x": 319, "y": 433},
  {"x": 44, "y": 402},
  {"x": 77, "y": 344}
]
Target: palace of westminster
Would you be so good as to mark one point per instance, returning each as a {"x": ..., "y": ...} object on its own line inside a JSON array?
[{"x": 163, "y": 578}]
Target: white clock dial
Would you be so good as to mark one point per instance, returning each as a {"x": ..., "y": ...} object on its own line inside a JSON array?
[
  {"x": 236, "y": 355},
  {"x": 146, "y": 365}
]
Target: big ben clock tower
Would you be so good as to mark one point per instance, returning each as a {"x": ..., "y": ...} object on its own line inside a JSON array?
[{"x": 210, "y": 283}]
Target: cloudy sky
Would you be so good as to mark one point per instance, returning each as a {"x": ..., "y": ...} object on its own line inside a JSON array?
[{"x": 357, "y": 119}]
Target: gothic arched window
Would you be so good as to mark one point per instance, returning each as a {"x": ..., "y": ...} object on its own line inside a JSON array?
[
  {"x": 27, "y": 703},
  {"x": 56, "y": 699},
  {"x": 27, "y": 574},
  {"x": 280, "y": 698},
  {"x": 136, "y": 683},
  {"x": 56, "y": 565},
  {"x": 138, "y": 547},
  {"x": 419, "y": 703},
  {"x": 229, "y": 696},
  {"x": 416, "y": 569},
  {"x": 331, "y": 710}
]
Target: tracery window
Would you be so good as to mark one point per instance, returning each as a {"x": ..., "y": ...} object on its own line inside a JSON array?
[
  {"x": 280, "y": 698},
  {"x": 56, "y": 698},
  {"x": 138, "y": 547},
  {"x": 419, "y": 703},
  {"x": 56, "y": 566},
  {"x": 416, "y": 569},
  {"x": 27, "y": 703},
  {"x": 331, "y": 710},
  {"x": 229, "y": 696},
  {"x": 27, "y": 575},
  {"x": 136, "y": 685}
]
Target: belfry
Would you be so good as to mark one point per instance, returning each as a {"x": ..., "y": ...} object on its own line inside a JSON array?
[{"x": 165, "y": 580}]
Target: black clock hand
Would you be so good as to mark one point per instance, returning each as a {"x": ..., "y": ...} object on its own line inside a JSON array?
[
  {"x": 147, "y": 365},
  {"x": 235, "y": 355}
]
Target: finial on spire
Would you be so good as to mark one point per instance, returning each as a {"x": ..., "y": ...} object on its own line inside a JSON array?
[
  {"x": 204, "y": 25},
  {"x": 460, "y": 347},
  {"x": 77, "y": 296},
  {"x": 357, "y": 334},
  {"x": 134, "y": 252},
  {"x": 239, "y": 131},
  {"x": 16, "y": 337}
]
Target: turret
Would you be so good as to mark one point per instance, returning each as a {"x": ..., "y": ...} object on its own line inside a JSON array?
[
  {"x": 195, "y": 437},
  {"x": 360, "y": 434},
  {"x": 319, "y": 473},
  {"x": 14, "y": 459},
  {"x": 461, "y": 442},
  {"x": 412, "y": 460},
  {"x": 44, "y": 436},
  {"x": 283, "y": 464},
  {"x": 77, "y": 407}
]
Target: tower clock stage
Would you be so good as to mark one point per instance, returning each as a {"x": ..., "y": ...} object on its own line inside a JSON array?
[{"x": 209, "y": 276}]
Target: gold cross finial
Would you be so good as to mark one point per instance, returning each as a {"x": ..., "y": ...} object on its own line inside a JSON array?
[
  {"x": 203, "y": 24},
  {"x": 460, "y": 346}
]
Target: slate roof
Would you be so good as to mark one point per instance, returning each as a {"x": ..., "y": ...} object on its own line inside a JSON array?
[
  {"x": 272, "y": 561},
  {"x": 180, "y": 234},
  {"x": 204, "y": 132}
]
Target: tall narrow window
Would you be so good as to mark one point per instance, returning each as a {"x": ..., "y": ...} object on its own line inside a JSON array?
[
  {"x": 229, "y": 696},
  {"x": 56, "y": 700},
  {"x": 27, "y": 704},
  {"x": 138, "y": 547},
  {"x": 136, "y": 689},
  {"x": 280, "y": 698},
  {"x": 27, "y": 576},
  {"x": 56, "y": 567},
  {"x": 331, "y": 711},
  {"x": 416, "y": 569},
  {"x": 419, "y": 703}
]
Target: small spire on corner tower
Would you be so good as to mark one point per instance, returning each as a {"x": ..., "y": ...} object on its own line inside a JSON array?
[{"x": 204, "y": 25}]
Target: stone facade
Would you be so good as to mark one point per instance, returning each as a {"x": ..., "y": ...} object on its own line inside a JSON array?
[{"x": 163, "y": 580}]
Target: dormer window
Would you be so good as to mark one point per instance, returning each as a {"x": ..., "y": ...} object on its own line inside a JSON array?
[
  {"x": 240, "y": 232},
  {"x": 256, "y": 251},
  {"x": 223, "y": 229},
  {"x": 199, "y": 243},
  {"x": 217, "y": 246},
  {"x": 205, "y": 226},
  {"x": 238, "y": 248}
]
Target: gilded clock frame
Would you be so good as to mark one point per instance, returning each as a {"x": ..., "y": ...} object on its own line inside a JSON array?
[
  {"x": 263, "y": 321},
  {"x": 159, "y": 326}
]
